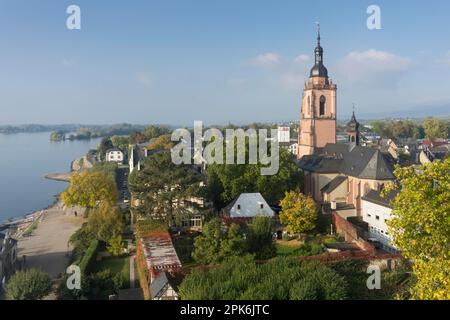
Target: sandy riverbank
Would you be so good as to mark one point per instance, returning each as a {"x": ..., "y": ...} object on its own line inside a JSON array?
[
  {"x": 47, "y": 248},
  {"x": 77, "y": 165}
]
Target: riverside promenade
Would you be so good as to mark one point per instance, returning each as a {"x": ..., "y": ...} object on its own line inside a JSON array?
[{"x": 47, "y": 248}]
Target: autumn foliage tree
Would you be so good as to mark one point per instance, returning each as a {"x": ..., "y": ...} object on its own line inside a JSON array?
[
  {"x": 105, "y": 222},
  {"x": 435, "y": 128},
  {"x": 298, "y": 212},
  {"x": 88, "y": 188},
  {"x": 421, "y": 226}
]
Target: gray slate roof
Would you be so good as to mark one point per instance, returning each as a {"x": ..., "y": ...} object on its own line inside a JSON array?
[
  {"x": 333, "y": 184},
  {"x": 360, "y": 162},
  {"x": 376, "y": 197}
]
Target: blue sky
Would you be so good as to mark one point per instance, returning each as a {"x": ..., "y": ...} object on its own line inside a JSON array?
[{"x": 217, "y": 61}]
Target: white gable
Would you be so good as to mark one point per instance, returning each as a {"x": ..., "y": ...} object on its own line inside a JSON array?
[{"x": 250, "y": 205}]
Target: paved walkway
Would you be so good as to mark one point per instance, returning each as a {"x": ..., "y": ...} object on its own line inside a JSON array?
[{"x": 47, "y": 247}]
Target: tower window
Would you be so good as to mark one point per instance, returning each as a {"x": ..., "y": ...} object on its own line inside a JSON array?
[{"x": 322, "y": 105}]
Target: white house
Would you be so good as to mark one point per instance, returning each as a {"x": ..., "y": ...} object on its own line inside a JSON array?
[
  {"x": 293, "y": 148},
  {"x": 376, "y": 212},
  {"x": 114, "y": 155},
  {"x": 250, "y": 205}
]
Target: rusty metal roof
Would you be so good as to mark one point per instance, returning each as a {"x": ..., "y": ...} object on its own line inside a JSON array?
[{"x": 159, "y": 252}]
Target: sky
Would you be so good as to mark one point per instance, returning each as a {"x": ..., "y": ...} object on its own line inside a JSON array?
[{"x": 228, "y": 61}]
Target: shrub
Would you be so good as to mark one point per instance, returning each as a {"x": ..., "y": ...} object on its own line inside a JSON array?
[
  {"x": 89, "y": 256},
  {"x": 28, "y": 285}
]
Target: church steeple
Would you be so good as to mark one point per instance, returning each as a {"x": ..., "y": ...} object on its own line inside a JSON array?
[
  {"x": 318, "y": 111},
  {"x": 319, "y": 69},
  {"x": 353, "y": 130}
]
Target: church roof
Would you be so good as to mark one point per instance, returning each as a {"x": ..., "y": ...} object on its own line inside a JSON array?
[
  {"x": 353, "y": 124},
  {"x": 376, "y": 197},
  {"x": 360, "y": 162},
  {"x": 333, "y": 184},
  {"x": 319, "y": 70}
]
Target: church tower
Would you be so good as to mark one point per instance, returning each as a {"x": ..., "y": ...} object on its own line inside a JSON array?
[
  {"x": 318, "y": 110},
  {"x": 353, "y": 131}
]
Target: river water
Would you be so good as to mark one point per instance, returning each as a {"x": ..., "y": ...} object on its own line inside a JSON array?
[{"x": 25, "y": 159}]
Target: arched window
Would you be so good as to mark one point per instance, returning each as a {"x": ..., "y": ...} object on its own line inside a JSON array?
[{"x": 322, "y": 105}]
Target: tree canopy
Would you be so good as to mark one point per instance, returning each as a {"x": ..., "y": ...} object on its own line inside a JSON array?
[
  {"x": 421, "y": 226},
  {"x": 436, "y": 128},
  {"x": 165, "y": 190},
  {"x": 105, "y": 222},
  {"x": 260, "y": 238},
  {"x": 88, "y": 188},
  {"x": 298, "y": 212},
  {"x": 217, "y": 243},
  {"x": 227, "y": 181}
]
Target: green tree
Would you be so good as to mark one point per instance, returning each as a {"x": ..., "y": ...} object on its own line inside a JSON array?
[
  {"x": 105, "y": 222},
  {"x": 298, "y": 212},
  {"x": 28, "y": 285},
  {"x": 229, "y": 181},
  {"x": 260, "y": 238},
  {"x": 154, "y": 131},
  {"x": 116, "y": 245},
  {"x": 217, "y": 243},
  {"x": 165, "y": 190},
  {"x": 435, "y": 128},
  {"x": 421, "y": 226},
  {"x": 104, "y": 145},
  {"x": 87, "y": 189}
]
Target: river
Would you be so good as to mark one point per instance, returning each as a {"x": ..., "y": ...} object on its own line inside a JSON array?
[{"x": 25, "y": 159}]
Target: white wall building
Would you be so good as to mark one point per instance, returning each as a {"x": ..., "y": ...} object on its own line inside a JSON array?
[
  {"x": 284, "y": 134},
  {"x": 114, "y": 155},
  {"x": 376, "y": 212}
]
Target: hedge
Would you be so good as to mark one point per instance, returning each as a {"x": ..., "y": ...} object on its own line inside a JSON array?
[{"x": 89, "y": 256}]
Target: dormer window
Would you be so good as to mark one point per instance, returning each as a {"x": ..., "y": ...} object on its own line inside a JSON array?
[
  {"x": 261, "y": 206},
  {"x": 239, "y": 207}
]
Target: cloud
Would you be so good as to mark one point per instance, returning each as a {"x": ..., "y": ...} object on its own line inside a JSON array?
[
  {"x": 145, "y": 80},
  {"x": 372, "y": 66},
  {"x": 302, "y": 58},
  {"x": 268, "y": 59}
]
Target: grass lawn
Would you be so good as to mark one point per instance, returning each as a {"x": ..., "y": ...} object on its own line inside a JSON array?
[
  {"x": 313, "y": 245},
  {"x": 117, "y": 265},
  {"x": 286, "y": 250}
]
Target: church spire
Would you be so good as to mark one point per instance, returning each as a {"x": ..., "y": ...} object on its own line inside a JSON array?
[
  {"x": 319, "y": 69},
  {"x": 318, "y": 34}
]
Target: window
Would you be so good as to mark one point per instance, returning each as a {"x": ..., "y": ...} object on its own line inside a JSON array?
[
  {"x": 368, "y": 216},
  {"x": 262, "y": 206},
  {"x": 377, "y": 217},
  {"x": 239, "y": 207},
  {"x": 322, "y": 105}
]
